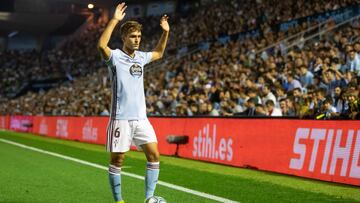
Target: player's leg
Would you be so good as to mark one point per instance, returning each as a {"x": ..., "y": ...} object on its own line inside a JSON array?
[
  {"x": 116, "y": 161},
  {"x": 152, "y": 168},
  {"x": 118, "y": 142},
  {"x": 144, "y": 136}
]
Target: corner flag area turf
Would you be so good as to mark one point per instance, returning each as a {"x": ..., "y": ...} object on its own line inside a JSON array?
[{"x": 39, "y": 169}]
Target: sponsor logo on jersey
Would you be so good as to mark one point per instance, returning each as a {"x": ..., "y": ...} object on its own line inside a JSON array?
[{"x": 136, "y": 70}]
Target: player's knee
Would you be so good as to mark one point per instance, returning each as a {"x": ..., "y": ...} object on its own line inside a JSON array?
[
  {"x": 117, "y": 159},
  {"x": 153, "y": 156}
]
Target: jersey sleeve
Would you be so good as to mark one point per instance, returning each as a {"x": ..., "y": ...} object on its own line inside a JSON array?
[
  {"x": 147, "y": 57},
  {"x": 111, "y": 61}
]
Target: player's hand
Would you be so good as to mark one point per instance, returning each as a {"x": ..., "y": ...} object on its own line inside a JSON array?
[
  {"x": 164, "y": 23},
  {"x": 119, "y": 12}
]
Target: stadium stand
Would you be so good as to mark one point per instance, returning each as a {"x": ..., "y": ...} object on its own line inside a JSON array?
[{"x": 315, "y": 79}]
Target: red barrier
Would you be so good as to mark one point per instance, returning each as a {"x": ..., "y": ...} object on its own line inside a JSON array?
[
  {"x": 325, "y": 150},
  {"x": 91, "y": 129},
  {"x": 21, "y": 123},
  {"x": 84, "y": 129},
  {"x": 54, "y": 127},
  {"x": 4, "y": 122}
]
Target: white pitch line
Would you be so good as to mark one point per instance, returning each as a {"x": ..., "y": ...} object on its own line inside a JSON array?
[{"x": 169, "y": 185}]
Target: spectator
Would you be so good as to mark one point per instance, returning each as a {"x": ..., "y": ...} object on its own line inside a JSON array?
[
  {"x": 339, "y": 102},
  {"x": 250, "y": 108},
  {"x": 353, "y": 64},
  {"x": 298, "y": 97},
  {"x": 331, "y": 81},
  {"x": 292, "y": 82},
  {"x": 306, "y": 77},
  {"x": 319, "y": 100},
  {"x": 329, "y": 111},
  {"x": 267, "y": 94},
  {"x": 354, "y": 105},
  {"x": 291, "y": 111},
  {"x": 280, "y": 93},
  {"x": 272, "y": 111},
  {"x": 260, "y": 111}
]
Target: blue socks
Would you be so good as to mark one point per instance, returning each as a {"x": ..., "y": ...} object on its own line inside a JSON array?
[
  {"x": 115, "y": 182},
  {"x": 151, "y": 178}
]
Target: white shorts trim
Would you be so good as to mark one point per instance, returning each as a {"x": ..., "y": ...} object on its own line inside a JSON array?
[{"x": 121, "y": 133}]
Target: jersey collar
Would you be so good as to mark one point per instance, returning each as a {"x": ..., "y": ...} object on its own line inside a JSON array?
[{"x": 128, "y": 54}]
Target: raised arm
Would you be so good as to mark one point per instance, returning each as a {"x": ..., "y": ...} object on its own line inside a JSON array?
[
  {"x": 158, "y": 52},
  {"x": 338, "y": 73},
  {"x": 105, "y": 37}
]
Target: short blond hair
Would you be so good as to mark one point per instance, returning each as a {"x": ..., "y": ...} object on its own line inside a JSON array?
[{"x": 128, "y": 27}]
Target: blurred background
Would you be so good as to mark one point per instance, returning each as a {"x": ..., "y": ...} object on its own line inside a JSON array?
[{"x": 237, "y": 58}]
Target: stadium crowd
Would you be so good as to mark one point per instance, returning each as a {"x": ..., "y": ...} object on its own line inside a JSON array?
[
  {"x": 318, "y": 79},
  {"x": 237, "y": 16},
  {"x": 78, "y": 58}
]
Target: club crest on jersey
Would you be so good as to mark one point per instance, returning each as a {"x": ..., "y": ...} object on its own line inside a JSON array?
[{"x": 136, "y": 70}]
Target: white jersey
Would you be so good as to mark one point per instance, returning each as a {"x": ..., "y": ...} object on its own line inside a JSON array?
[{"x": 127, "y": 76}]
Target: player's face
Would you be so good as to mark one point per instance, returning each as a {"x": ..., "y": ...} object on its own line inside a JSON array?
[{"x": 132, "y": 40}]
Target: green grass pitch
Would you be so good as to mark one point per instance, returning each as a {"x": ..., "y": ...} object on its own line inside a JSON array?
[{"x": 30, "y": 176}]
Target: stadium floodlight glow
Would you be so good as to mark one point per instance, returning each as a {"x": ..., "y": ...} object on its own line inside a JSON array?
[{"x": 90, "y": 6}]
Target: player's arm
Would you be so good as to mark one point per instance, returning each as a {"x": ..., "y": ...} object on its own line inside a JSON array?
[
  {"x": 158, "y": 52},
  {"x": 105, "y": 36}
]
